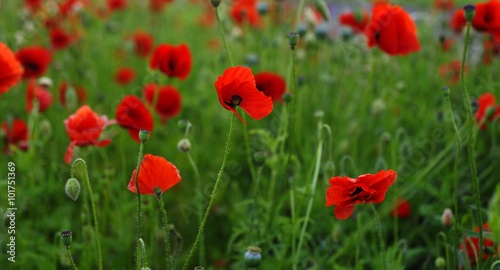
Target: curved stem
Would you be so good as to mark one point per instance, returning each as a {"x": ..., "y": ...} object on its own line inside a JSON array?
[
  {"x": 138, "y": 219},
  {"x": 470, "y": 145},
  {"x": 445, "y": 244},
  {"x": 94, "y": 211},
  {"x": 214, "y": 193},
  {"x": 199, "y": 206},
  {"x": 381, "y": 238},
  {"x": 71, "y": 258},
  {"x": 165, "y": 228},
  {"x": 319, "y": 152},
  {"x": 455, "y": 180}
]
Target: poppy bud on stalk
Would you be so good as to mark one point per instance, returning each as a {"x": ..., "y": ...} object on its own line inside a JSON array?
[
  {"x": 447, "y": 217},
  {"x": 67, "y": 238},
  {"x": 199, "y": 268},
  {"x": 440, "y": 262},
  {"x": 293, "y": 39},
  {"x": 469, "y": 12},
  {"x": 184, "y": 145},
  {"x": 253, "y": 257},
  {"x": 260, "y": 157},
  {"x": 144, "y": 135},
  {"x": 72, "y": 188},
  {"x": 446, "y": 91}
]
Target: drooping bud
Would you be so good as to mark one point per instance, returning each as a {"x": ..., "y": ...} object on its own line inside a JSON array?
[
  {"x": 144, "y": 135},
  {"x": 67, "y": 238},
  {"x": 184, "y": 145},
  {"x": 440, "y": 262},
  {"x": 293, "y": 39},
  {"x": 447, "y": 218},
  {"x": 469, "y": 12},
  {"x": 45, "y": 82},
  {"x": 72, "y": 188},
  {"x": 253, "y": 257},
  {"x": 323, "y": 9}
]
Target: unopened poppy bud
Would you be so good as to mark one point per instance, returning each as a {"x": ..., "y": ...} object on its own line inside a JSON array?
[
  {"x": 184, "y": 145},
  {"x": 199, "y": 268},
  {"x": 45, "y": 82},
  {"x": 323, "y": 9},
  {"x": 489, "y": 112},
  {"x": 144, "y": 135},
  {"x": 262, "y": 8},
  {"x": 72, "y": 188},
  {"x": 66, "y": 237},
  {"x": 260, "y": 157},
  {"x": 253, "y": 257},
  {"x": 319, "y": 114},
  {"x": 469, "y": 12},
  {"x": 252, "y": 59},
  {"x": 446, "y": 91},
  {"x": 321, "y": 31},
  {"x": 215, "y": 3},
  {"x": 378, "y": 106},
  {"x": 287, "y": 97},
  {"x": 447, "y": 217},
  {"x": 302, "y": 29},
  {"x": 293, "y": 39},
  {"x": 440, "y": 262}
]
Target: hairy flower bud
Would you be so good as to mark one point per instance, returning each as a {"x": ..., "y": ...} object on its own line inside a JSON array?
[{"x": 72, "y": 188}]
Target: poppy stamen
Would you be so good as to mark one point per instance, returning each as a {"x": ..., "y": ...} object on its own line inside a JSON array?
[
  {"x": 235, "y": 101},
  {"x": 357, "y": 191}
]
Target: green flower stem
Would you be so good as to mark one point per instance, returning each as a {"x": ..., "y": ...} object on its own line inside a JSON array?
[
  {"x": 254, "y": 205},
  {"x": 138, "y": 220},
  {"x": 199, "y": 206},
  {"x": 470, "y": 145},
  {"x": 214, "y": 193},
  {"x": 92, "y": 202},
  {"x": 223, "y": 35},
  {"x": 71, "y": 258},
  {"x": 299, "y": 12},
  {"x": 165, "y": 228},
  {"x": 445, "y": 244},
  {"x": 381, "y": 238},
  {"x": 314, "y": 181},
  {"x": 455, "y": 180}
]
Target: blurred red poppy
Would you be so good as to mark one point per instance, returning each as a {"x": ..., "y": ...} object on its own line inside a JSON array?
[
  {"x": 59, "y": 39},
  {"x": 446, "y": 43},
  {"x": 116, "y": 5},
  {"x": 392, "y": 30},
  {"x": 67, "y": 7},
  {"x": 450, "y": 72},
  {"x": 10, "y": 69},
  {"x": 486, "y": 18},
  {"x": 356, "y": 20},
  {"x": 42, "y": 96},
  {"x": 486, "y": 101},
  {"x": 35, "y": 60},
  {"x": 143, "y": 43},
  {"x": 16, "y": 134},
  {"x": 245, "y": 11},
  {"x": 458, "y": 21},
  {"x": 444, "y": 5},
  {"x": 81, "y": 94},
  {"x": 169, "y": 100},
  {"x": 134, "y": 116},
  {"x": 124, "y": 75},
  {"x": 345, "y": 192},
  {"x": 471, "y": 246},
  {"x": 236, "y": 87},
  {"x": 84, "y": 128},
  {"x": 33, "y": 5},
  {"x": 156, "y": 175},
  {"x": 402, "y": 209},
  {"x": 157, "y": 6},
  {"x": 271, "y": 84},
  {"x": 172, "y": 61}
]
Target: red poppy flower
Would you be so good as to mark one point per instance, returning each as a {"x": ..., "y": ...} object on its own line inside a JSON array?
[
  {"x": 143, "y": 43},
  {"x": 84, "y": 128},
  {"x": 16, "y": 134},
  {"x": 471, "y": 244},
  {"x": 236, "y": 87},
  {"x": 345, "y": 192},
  {"x": 450, "y": 72},
  {"x": 485, "y": 101},
  {"x": 169, "y": 100},
  {"x": 444, "y": 5},
  {"x": 10, "y": 69},
  {"x": 42, "y": 96},
  {"x": 81, "y": 94},
  {"x": 356, "y": 20},
  {"x": 446, "y": 43},
  {"x": 33, "y": 5},
  {"x": 124, "y": 75},
  {"x": 458, "y": 21},
  {"x": 392, "y": 30},
  {"x": 59, "y": 39},
  {"x": 402, "y": 209},
  {"x": 116, "y": 5},
  {"x": 172, "y": 61},
  {"x": 245, "y": 11},
  {"x": 70, "y": 6},
  {"x": 487, "y": 17},
  {"x": 155, "y": 174},
  {"x": 134, "y": 116},
  {"x": 271, "y": 84},
  {"x": 35, "y": 60},
  {"x": 157, "y": 6}
]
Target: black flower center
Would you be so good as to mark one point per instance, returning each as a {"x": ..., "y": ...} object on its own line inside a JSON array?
[
  {"x": 356, "y": 191},
  {"x": 31, "y": 66},
  {"x": 235, "y": 101}
]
